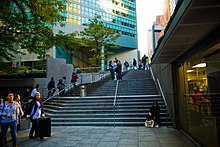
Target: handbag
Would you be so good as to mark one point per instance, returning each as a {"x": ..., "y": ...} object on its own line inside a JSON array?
[{"x": 149, "y": 123}]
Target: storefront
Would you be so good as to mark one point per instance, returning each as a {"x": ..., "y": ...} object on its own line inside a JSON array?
[{"x": 198, "y": 86}]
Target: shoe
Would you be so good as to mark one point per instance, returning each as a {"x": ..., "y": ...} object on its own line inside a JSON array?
[
  {"x": 41, "y": 137},
  {"x": 15, "y": 145},
  {"x": 157, "y": 126}
]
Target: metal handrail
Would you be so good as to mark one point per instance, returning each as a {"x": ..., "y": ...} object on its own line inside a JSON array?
[
  {"x": 157, "y": 82},
  {"x": 161, "y": 91},
  {"x": 152, "y": 74},
  {"x": 57, "y": 94},
  {"x": 115, "y": 98}
]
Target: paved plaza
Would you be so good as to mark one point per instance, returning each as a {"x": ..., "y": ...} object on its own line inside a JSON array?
[{"x": 108, "y": 137}]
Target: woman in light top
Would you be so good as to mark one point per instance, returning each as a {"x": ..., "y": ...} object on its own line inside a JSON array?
[
  {"x": 8, "y": 112},
  {"x": 35, "y": 111}
]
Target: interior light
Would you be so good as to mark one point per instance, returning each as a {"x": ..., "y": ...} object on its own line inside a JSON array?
[
  {"x": 199, "y": 65},
  {"x": 189, "y": 70}
]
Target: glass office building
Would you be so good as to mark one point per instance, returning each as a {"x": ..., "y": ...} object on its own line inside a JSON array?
[{"x": 119, "y": 15}]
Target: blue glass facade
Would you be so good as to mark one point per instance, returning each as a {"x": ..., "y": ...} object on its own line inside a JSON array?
[{"x": 119, "y": 15}]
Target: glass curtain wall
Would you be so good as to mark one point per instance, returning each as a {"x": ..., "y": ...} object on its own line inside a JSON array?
[{"x": 199, "y": 98}]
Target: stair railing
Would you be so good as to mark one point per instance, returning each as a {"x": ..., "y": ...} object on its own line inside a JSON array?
[
  {"x": 57, "y": 94},
  {"x": 161, "y": 91},
  {"x": 115, "y": 98},
  {"x": 157, "y": 82}
]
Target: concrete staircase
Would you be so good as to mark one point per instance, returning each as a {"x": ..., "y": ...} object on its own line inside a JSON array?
[{"x": 135, "y": 96}]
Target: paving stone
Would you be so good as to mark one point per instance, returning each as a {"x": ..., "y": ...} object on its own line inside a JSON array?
[{"x": 108, "y": 137}]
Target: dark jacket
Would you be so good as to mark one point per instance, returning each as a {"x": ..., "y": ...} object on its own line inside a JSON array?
[
  {"x": 155, "y": 111},
  {"x": 51, "y": 85},
  {"x": 60, "y": 85},
  {"x": 33, "y": 104}
]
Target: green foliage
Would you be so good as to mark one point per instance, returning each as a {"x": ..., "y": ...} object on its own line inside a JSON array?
[
  {"x": 41, "y": 65},
  {"x": 27, "y": 24},
  {"x": 96, "y": 35},
  {"x": 71, "y": 43}
]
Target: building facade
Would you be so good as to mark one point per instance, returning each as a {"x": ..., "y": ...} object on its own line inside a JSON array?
[
  {"x": 186, "y": 62},
  {"x": 119, "y": 15}
]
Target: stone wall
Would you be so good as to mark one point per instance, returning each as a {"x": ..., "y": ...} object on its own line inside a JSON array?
[{"x": 56, "y": 68}]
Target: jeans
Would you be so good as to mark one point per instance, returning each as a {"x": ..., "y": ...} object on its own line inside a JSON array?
[
  {"x": 4, "y": 129},
  {"x": 144, "y": 65}
]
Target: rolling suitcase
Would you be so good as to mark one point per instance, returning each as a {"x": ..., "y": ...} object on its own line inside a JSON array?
[{"x": 44, "y": 127}]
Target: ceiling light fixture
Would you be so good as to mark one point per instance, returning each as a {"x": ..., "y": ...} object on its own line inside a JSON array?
[{"x": 199, "y": 65}]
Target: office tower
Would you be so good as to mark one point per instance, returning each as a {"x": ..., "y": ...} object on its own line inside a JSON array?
[{"x": 119, "y": 15}]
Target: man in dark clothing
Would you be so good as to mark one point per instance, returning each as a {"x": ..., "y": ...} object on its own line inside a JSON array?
[
  {"x": 134, "y": 64},
  {"x": 126, "y": 64},
  {"x": 61, "y": 87},
  {"x": 144, "y": 61},
  {"x": 155, "y": 111},
  {"x": 51, "y": 88},
  {"x": 118, "y": 70}
]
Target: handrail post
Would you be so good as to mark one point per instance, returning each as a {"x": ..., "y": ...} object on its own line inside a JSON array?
[
  {"x": 57, "y": 98},
  {"x": 114, "y": 103}
]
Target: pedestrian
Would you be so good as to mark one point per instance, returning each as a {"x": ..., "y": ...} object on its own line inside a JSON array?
[
  {"x": 134, "y": 64},
  {"x": 114, "y": 69},
  {"x": 35, "y": 90},
  {"x": 61, "y": 87},
  {"x": 126, "y": 64},
  {"x": 74, "y": 79},
  {"x": 147, "y": 62},
  {"x": 144, "y": 61},
  {"x": 155, "y": 111},
  {"x": 64, "y": 81},
  {"x": 35, "y": 111},
  {"x": 20, "y": 112},
  {"x": 110, "y": 67},
  {"x": 51, "y": 87},
  {"x": 8, "y": 114},
  {"x": 26, "y": 95},
  {"x": 116, "y": 59},
  {"x": 118, "y": 70},
  {"x": 139, "y": 65}
]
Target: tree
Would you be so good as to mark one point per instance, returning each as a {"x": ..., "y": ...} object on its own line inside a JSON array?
[
  {"x": 28, "y": 24},
  {"x": 96, "y": 35}
]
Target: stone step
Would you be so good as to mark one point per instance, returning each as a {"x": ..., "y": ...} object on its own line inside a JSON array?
[
  {"x": 135, "y": 96},
  {"x": 109, "y": 119},
  {"x": 99, "y": 111},
  {"x": 140, "y": 103},
  {"x": 104, "y": 124},
  {"x": 102, "y": 115}
]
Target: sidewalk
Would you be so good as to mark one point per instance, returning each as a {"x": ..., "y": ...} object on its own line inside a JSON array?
[{"x": 108, "y": 137}]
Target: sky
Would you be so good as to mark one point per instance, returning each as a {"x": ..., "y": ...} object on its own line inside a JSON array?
[{"x": 147, "y": 10}]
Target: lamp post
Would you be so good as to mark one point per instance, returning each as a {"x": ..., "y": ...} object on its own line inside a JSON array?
[{"x": 102, "y": 60}]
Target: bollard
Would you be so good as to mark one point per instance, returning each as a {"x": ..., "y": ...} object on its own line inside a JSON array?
[{"x": 82, "y": 90}]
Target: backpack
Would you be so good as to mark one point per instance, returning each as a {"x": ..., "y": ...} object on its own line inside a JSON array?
[{"x": 126, "y": 64}]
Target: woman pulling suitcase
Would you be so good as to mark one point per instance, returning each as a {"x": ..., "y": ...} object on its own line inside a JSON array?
[{"x": 35, "y": 112}]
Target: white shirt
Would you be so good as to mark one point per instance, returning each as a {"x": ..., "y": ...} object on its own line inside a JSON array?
[
  {"x": 34, "y": 92},
  {"x": 38, "y": 111}
]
